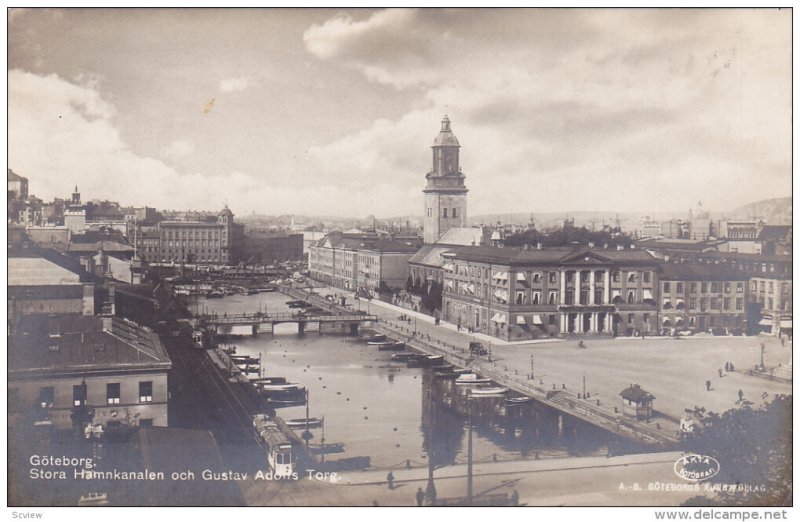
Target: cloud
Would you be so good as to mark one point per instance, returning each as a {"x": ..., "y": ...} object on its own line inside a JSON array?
[
  {"x": 559, "y": 110},
  {"x": 179, "y": 148},
  {"x": 239, "y": 84}
]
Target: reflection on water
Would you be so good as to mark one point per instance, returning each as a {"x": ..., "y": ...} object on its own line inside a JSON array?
[{"x": 391, "y": 413}]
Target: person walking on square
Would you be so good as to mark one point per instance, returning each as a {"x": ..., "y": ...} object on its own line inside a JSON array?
[
  {"x": 420, "y": 496},
  {"x": 390, "y": 480},
  {"x": 708, "y": 385},
  {"x": 741, "y": 395}
]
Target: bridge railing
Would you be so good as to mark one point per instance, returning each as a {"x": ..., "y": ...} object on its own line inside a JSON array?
[{"x": 284, "y": 316}]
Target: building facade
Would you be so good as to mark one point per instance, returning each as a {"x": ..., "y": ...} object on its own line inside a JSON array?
[
  {"x": 111, "y": 365},
  {"x": 445, "y": 192},
  {"x": 525, "y": 294},
  {"x": 702, "y": 298},
  {"x": 211, "y": 242}
]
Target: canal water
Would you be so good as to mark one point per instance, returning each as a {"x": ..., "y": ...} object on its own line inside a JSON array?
[{"x": 393, "y": 414}]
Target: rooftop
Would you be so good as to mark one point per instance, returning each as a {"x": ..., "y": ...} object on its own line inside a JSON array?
[
  {"x": 700, "y": 271},
  {"x": 80, "y": 344},
  {"x": 36, "y": 271},
  {"x": 635, "y": 393}
]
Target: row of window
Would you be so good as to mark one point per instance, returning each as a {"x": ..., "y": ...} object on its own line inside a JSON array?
[
  {"x": 453, "y": 212},
  {"x": 761, "y": 286},
  {"x": 715, "y": 287},
  {"x": 552, "y": 277},
  {"x": 179, "y": 234},
  {"x": 706, "y": 304},
  {"x": 79, "y": 392}
]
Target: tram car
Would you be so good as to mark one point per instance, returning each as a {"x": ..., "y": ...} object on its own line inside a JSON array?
[{"x": 278, "y": 447}]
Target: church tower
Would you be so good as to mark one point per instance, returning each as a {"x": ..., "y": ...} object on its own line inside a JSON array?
[{"x": 445, "y": 193}]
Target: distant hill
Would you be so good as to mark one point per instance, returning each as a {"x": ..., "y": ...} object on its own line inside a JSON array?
[{"x": 776, "y": 211}]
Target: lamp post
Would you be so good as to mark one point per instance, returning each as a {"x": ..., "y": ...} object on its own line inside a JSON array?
[
  {"x": 532, "y": 366},
  {"x": 469, "y": 447},
  {"x": 763, "y": 349},
  {"x": 584, "y": 385},
  {"x": 430, "y": 489}
]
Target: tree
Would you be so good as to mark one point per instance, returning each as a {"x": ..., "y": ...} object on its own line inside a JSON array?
[{"x": 754, "y": 449}]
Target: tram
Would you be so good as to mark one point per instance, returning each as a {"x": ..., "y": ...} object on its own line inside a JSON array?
[{"x": 278, "y": 447}]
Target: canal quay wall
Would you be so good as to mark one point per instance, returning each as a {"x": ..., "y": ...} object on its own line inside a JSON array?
[
  {"x": 655, "y": 434},
  {"x": 660, "y": 433}
]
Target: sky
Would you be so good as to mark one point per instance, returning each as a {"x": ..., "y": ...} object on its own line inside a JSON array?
[{"x": 333, "y": 112}]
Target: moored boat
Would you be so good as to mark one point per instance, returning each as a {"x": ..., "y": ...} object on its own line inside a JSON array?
[
  {"x": 391, "y": 346},
  {"x": 519, "y": 400},
  {"x": 311, "y": 422},
  {"x": 324, "y": 449},
  {"x": 377, "y": 338},
  {"x": 470, "y": 379},
  {"x": 490, "y": 392}
]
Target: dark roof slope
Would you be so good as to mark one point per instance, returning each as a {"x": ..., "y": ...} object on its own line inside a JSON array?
[
  {"x": 774, "y": 232},
  {"x": 635, "y": 393},
  {"x": 78, "y": 344},
  {"x": 701, "y": 272}
]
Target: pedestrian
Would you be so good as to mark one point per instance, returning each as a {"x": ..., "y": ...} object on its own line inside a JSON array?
[
  {"x": 720, "y": 371},
  {"x": 741, "y": 395},
  {"x": 420, "y": 496},
  {"x": 708, "y": 385},
  {"x": 390, "y": 480},
  {"x": 732, "y": 368},
  {"x": 408, "y": 463},
  {"x": 515, "y": 498}
]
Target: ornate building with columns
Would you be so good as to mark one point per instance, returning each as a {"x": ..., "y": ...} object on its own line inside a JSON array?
[{"x": 527, "y": 294}]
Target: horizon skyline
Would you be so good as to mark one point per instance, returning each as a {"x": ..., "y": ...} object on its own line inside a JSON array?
[{"x": 342, "y": 105}]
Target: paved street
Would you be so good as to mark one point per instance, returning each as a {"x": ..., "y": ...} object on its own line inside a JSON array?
[
  {"x": 571, "y": 482},
  {"x": 675, "y": 371}
]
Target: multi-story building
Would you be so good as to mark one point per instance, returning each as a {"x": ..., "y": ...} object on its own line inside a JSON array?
[
  {"x": 776, "y": 240},
  {"x": 773, "y": 298},
  {"x": 649, "y": 227},
  {"x": 385, "y": 265},
  {"x": 358, "y": 262},
  {"x": 212, "y": 242},
  {"x": 702, "y": 298},
  {"x": 42, "y": 286},
  {"x": 75, "y": 214},
  {"x": 111, "y": 365},
  {"x": 267, "y": 247},
  {"x": 524, "y": 294}
]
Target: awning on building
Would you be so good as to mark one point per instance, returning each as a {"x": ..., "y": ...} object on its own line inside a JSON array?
[
  {"x": 678, "y": 302},
  {"x": 786, "y": 324},
  {"x": 449, "y": 284},
  {"x": 496, "y": 275},
  {"x": 503, "y": 319},
  {"x": 496, "y": 318},
  {"x": 471, "y": 288},
  {"x": 521, "y": 319},
  {"x": 448, "y": 267},
  {"x": 521, "y": 277},
  {"x": 667, "y": 303},
  {"x": 537, "y": 319},
  {"x": 614, "y": 293},
  {"x": 665, "y": 321},
  {"x": 647, "y": 294},
  {"x": 767, "y": 322},
  {"x": 502, "y": 275}
]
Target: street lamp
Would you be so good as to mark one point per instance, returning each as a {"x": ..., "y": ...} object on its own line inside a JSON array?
[
  {"x": 469, "y": 447},
  {"x": 763, "y": 349},
  {"x": 584, "y": 385}
]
